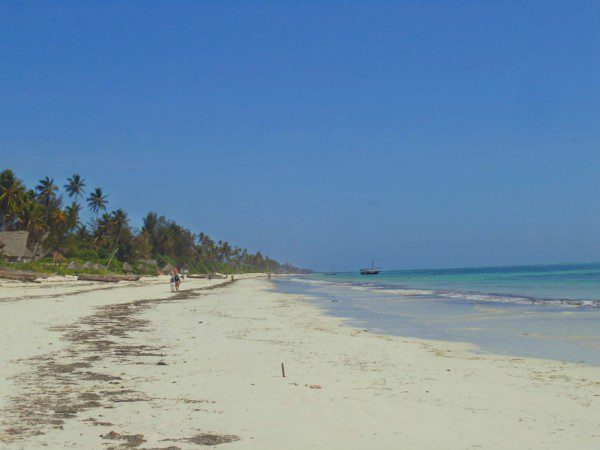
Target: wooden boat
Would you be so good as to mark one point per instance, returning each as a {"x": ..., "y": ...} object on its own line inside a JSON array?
[
  {"x": 213, "y": 276},
  {"x": 107, "y": 278},
  {"x": 21, "y": 275},
  {"x": 370, "y": 271}
]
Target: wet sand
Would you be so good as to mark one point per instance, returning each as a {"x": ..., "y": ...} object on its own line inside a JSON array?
[{"x": 130, "y": 365}]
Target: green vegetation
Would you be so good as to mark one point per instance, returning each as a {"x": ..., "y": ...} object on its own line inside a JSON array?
[{"x": 109, "y": 240}]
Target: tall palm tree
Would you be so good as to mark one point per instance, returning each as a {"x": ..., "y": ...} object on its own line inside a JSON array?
[
  {"x": 97, "y": 201},
  {"x": 72, "y": 213},
  {"x": 59, "y": 217},
  {"x": 103, "y": 228},
  {"x": 120, "y": 223},
  {"x": 31, "y": 218},
  {"x": 75, "y": 186},
  {"x": 46, "y": 193},
  {"x": 12, "y": 193}
]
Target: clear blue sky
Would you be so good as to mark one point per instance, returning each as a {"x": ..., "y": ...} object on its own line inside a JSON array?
[{"x": 424, "y": 134}]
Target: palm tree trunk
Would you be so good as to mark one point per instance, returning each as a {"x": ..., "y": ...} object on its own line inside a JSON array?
[{"x": 111, "y": 258}]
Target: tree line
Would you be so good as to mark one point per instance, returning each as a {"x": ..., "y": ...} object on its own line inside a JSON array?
[{"x": 55, "y": 225}]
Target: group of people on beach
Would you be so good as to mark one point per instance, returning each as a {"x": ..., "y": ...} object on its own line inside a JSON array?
[{"x": 175, "y": 281}]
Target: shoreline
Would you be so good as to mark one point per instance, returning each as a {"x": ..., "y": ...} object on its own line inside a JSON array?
[
  {"x": 538, "y": 331},
  {"x": 207, "y": 366}
]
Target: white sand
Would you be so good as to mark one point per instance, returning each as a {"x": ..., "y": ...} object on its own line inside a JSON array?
[{"x": 220, "y": 352}]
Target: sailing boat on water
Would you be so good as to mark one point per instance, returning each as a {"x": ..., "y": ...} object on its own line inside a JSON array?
[{"x": 371, "y": 271}]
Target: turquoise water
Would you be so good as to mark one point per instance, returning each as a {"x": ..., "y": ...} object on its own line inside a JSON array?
[
  {"x": 567, "y": 283},
  {"x": 537, "y": 311}
]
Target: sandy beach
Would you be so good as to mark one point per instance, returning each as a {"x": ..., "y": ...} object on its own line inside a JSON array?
[{"x": 131, "y": 365}]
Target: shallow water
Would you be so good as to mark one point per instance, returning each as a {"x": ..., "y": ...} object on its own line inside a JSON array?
[
  {"x": 535, "y": 322},
  {"x": 561, "y": 283}
]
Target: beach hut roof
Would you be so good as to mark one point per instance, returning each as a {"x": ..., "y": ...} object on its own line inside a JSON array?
[
  {"x": 127, "y": 267},
  {"x": 168, "y": 268},
  {"x": 73, "y": 265},
  {"x": 150, "y": 262},
  {"x": 88, "y": 265},
  {"x": 15, "y": 244}
]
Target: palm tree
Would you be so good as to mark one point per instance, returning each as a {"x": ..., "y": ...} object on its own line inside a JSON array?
[
  {"x": 72, "y": 213},
  {"x": 101, "y": 230},
  {"x": 59, "y": 217},
  {"x": 97, "y": 201},
  {"x": 75, "y": 186},
  {"x": 120, "y": 222},
  {"x": 46, "y": 190},
  {"x": 31, "y": 218},
  {"x": 12, "y": 193}
]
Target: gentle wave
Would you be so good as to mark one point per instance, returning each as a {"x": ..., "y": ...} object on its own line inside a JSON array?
[
  {"x": 499, "y": 298},
  {"x": 458, "y": 295}
]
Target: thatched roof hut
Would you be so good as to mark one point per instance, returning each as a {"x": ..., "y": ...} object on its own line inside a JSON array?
[
  {"x": 168, "y": 268},
  {"x": 13, "y": 245},
  {"x": 127, "y": 267},
  {"x": 149, "y": 262},
  {"x": 73, "y": 265},
  {"x": 87, "y": 265}
]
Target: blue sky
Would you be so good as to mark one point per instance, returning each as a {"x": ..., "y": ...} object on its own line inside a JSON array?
[{"x": 423, "y": 134}]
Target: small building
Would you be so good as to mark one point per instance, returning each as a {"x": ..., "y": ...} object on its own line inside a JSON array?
[
  {"x": 149, "y": 262},
  {"x": 168, "y": 268},
  {"x": 13, "y": 245},
  {"x": 73, "y": 265}
]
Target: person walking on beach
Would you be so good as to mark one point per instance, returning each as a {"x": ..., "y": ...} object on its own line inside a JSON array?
[
  {"x": 173, "y": 281},
  {"x": 177, "y": 280}
]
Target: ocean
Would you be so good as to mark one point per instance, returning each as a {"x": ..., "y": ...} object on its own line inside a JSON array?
[{"x": 546, "y": 311}]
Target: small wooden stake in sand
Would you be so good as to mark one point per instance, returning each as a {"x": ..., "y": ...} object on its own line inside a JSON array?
[{"x": 282, "y": 370}]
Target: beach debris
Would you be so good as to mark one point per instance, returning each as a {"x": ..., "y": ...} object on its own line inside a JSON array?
[
  {"x": 282, "y": 370},
  {"x": 161, "y": 363},
  {"x": 97, "y": 423},
  {"x": 314, "y": 386},
  {"x": 212, "y": 439},
  {"x": 132, "y": 440}
]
